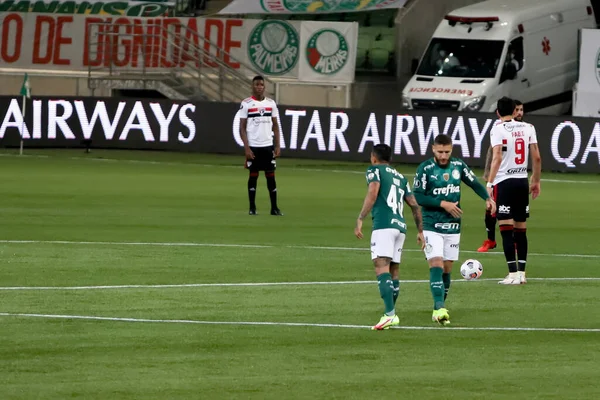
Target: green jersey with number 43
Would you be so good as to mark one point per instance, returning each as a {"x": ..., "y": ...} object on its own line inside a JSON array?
[
  {"x": 388, "y": 208},
  {"x": 434, "y": 184}
]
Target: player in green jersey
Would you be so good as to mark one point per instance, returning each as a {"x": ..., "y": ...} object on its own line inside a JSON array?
[
  {"x": 388, "y": 190},
  {"x": 437, "y": 187}
]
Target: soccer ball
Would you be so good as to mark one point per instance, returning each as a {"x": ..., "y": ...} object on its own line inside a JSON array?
[{"x": 471, "y": 269}]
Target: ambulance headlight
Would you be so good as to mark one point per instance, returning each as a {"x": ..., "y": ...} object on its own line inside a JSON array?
[
  {"x": 406, "y": 102},
  {"x": 474, "y": 104}
]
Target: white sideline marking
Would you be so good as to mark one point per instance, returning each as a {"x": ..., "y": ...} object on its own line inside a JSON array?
[
  {"x": 566, "y": 181},
  {"x": 320, "y": 170},
  {"x": 296, "y": 324},
  {"x": 262, "y": 284},
  {"x": 24, "y": 155},
  {"x": 183, "y": 244},
  {"x": 190, "y": 285},
  {"x": 257, "y": 246}
]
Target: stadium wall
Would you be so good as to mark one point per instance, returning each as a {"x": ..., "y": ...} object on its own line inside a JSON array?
[
  {"x": 47, "y": 83},
  {"x": 308, "y": 132},
  {"x": 290, "y": 92}
]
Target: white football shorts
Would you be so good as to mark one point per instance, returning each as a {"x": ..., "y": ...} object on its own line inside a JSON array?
[
  {"x": 387, "y": 243},
  {"x": 442, "y": 245}
]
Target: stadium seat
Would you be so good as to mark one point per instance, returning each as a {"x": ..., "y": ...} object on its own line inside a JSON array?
[
  {"x": 364, "y": 41},
  {"x": 372, "y": 31},
  {"x": 385, "y": 43},
  {"x": 389, "y": 35},
  {"x": 379, "y": 58},
  {"x": 361, "y": 58}
]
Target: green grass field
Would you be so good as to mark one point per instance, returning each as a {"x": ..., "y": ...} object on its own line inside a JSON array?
[{"x": 122, "y": 279}]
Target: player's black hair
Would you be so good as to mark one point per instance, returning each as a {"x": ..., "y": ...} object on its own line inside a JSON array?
[
  {"x": 518, "y": 103},
  {"x": 506, "y": 107},
  {"x": 383, "y": 152},
  {"x": 258, "y": 78},
  {"x": 443, "y": 140}
]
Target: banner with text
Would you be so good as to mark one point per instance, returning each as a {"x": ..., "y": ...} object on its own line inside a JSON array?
[
  {"x": 107, "y": 122},
  {"x": 308, "y": 6},
  {"x": 130, "y": 8},
  {"x": 316, "y": 133},
  {"x": 271, "y": 47}
]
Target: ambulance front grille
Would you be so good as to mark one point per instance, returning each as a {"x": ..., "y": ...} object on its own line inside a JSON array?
[{"x": 436, "y": 105}]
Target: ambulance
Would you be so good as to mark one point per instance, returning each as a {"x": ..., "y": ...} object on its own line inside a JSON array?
[{"x": 523, "y": 49}]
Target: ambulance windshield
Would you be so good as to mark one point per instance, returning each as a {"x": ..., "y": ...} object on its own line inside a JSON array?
[{"x": 461, "y": 58}]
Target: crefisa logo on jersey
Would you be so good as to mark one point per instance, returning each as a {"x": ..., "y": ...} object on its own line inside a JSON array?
[
  {"x": 273, "y": 47},
  {"x": 449, "y": 189},
  {"x": 327, "y": 51}
]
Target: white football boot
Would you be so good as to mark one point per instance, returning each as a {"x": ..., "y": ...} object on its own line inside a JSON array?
[
  {"x": 512, "y": 278},
  {"x": 522, "y": 277}
]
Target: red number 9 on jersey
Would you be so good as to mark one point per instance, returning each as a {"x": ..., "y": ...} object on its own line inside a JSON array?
[{"x": 520, "y": 151}]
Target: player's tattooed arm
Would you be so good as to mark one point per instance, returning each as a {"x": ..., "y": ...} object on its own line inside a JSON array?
[
  {"x": 368, "y": 204},
  {"x": 416, "y": 211},
  {"x": 488, "y": 164},
  {"x": 370, "y": 199}
]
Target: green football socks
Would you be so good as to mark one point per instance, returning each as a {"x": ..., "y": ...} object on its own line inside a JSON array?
[
  {"x": 447, "y": 280},
  {"x": 436, "y": 284},
  {"x": 386, "y": 290},
  {"x": 396, "y": 283}
]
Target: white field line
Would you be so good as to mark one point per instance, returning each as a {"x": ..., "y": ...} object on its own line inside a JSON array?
[
  {"x": 267, "y": 284},
  {"x": 288, "y": 324},
  {"x": 258, "y": 246},
  {"x": 319, "y": 170}
]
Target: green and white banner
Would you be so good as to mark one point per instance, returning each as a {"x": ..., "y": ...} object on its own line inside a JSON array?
[
  {"x": 274, "y": 47},
  {"x": 308, "y": 6},
  {"x": 308, "y": 51},
  {"x": 131, "y": 8},
  {"x": 329, "y": 51}
]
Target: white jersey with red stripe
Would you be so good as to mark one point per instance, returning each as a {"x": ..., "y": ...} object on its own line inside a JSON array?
[
  {"x": 515, "y": 138},
  {"x": 259, "y": 115}
]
